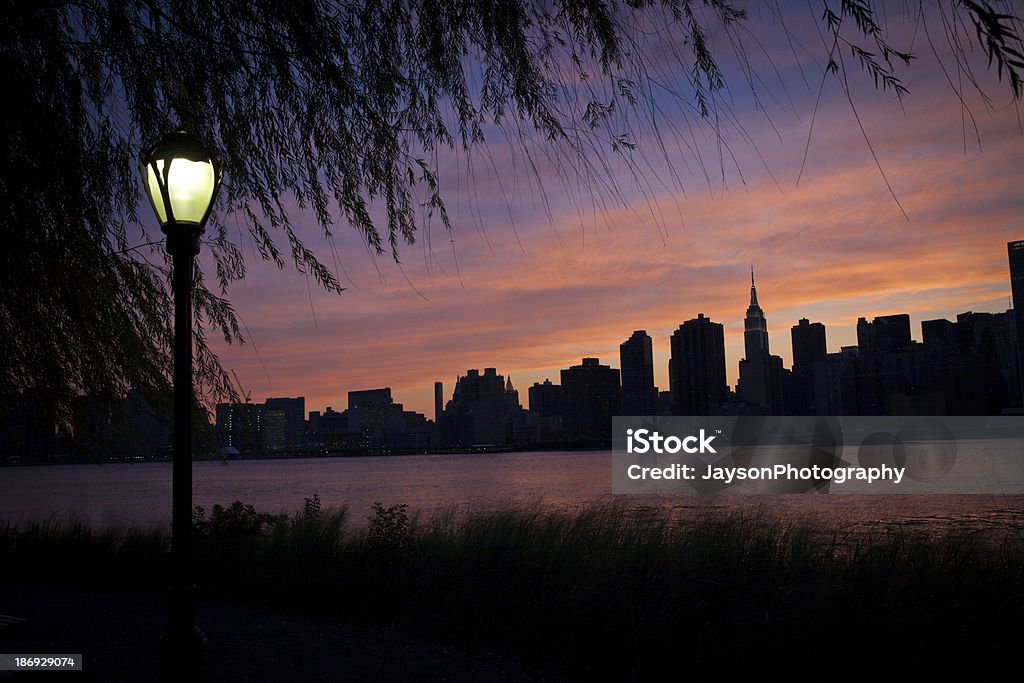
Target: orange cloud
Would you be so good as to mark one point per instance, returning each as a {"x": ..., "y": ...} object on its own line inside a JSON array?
[{"x": 831, "y": 249}]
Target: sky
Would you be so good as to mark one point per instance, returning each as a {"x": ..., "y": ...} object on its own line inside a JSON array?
[{"x": 540, "y": 271}]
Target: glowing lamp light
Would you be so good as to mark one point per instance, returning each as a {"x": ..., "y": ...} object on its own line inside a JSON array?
[{"x": 181, "y": 179}]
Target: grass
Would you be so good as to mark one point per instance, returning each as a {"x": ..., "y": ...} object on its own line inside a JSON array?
[{"x": 608, "y": 593}]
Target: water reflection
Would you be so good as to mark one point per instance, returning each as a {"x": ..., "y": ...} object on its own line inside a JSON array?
[{"x": 139, "y": 494}]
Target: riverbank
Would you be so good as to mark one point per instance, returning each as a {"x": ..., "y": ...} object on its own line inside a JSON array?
[{"x": 606, "y": 592}]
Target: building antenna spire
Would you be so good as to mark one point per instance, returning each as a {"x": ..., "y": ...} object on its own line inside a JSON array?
[{"x": 753, "y": 289}]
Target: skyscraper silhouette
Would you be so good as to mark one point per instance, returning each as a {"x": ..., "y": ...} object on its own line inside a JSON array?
[
  {"x": 808, "y": 343},
  {"x": 885, "y": 334},
  {"x": 755, "y": 327},
  {"x": 696, "y": 369},
  {"x": 283, "y": 423},
  {"x": 808, "y": 349},
  {"x": 545, "y": 398},
  {"x": 636, "y": 357},
  {"x": 591, "y": 396},
  {"x": 879, "y": 372},
  {"x": 546, "y": 404},
  {"x": 478, "y": 410},
  {"x": 1015, "y": 251},
  {"x": 760, "y": 372}
]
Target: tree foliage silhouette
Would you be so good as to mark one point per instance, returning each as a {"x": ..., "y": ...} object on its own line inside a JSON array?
[{"x": 344, "y": 110}]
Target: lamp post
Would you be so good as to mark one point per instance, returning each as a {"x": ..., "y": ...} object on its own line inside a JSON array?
[{"x": 181, "y": 178}]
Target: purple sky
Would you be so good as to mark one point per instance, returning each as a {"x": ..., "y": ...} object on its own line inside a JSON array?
[{"x": 583, "y": 268}]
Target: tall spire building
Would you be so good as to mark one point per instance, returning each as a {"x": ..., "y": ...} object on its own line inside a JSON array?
[
  {"x": 761, "y": 374},
  {"x": 755, "y": 327}
]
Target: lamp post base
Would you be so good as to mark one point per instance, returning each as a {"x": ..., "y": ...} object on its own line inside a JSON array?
[{"x": 183, "y": 645}]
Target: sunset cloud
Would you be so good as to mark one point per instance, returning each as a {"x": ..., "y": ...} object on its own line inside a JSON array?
[{"x": 833, "y": 248}]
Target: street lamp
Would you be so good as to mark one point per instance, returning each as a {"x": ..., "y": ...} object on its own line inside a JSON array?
[{"x": 181, "y": 177}]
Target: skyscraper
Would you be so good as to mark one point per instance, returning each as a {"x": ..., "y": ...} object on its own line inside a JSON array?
[
  {"x": 696, "y": 369},
  {"x": 545, "y": 398},
  {"x": 1015, "y": 250},
  {"x": 438, "y": 401},
  {"x": 371, "y": 415},
  {"x": 636, "y": 356},
  {"x": 546, "y": 405},
  {"x": 238, "y": 425},
  {"x": 808, "y": 343},
  {"x": 478, "y": 411},
  {"x": 885, "y": 334},
  {"x": 282, "y": 423},
  {"x": 970, "y": 363},
  {"x": 879, "y": 373},
  {"x": 760, "y": 372},
  {"x": 511, "y": 395},
  {"x": 376, "y": 424},
  {"x": 591, "y": 396},
  {"x": 808, "y": 349},
  {"x": 755, "y": 327}
]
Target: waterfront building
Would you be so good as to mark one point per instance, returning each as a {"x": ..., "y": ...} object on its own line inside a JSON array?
[
  {"x": 591, "y": 396},
  {"x": 282, "y": 424}
]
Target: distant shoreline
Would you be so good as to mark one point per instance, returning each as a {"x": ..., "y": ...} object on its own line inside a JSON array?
[{"x": 314, "y": 456}]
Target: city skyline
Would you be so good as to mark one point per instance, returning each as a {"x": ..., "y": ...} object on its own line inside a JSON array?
[
  {"x": 732, "y": 374},
  {"x": 537, "y": 282},
  {"x": 421, "y": 398}
]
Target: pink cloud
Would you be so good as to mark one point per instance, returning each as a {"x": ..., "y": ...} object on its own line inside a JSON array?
[{"x": 834, "y": 248}]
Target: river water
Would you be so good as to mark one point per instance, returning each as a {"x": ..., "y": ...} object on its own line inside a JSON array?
[{"x": 119, "y": 495}]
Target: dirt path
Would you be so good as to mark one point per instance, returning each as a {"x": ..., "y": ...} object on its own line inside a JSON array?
[{"x": 117, "y": 632}]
